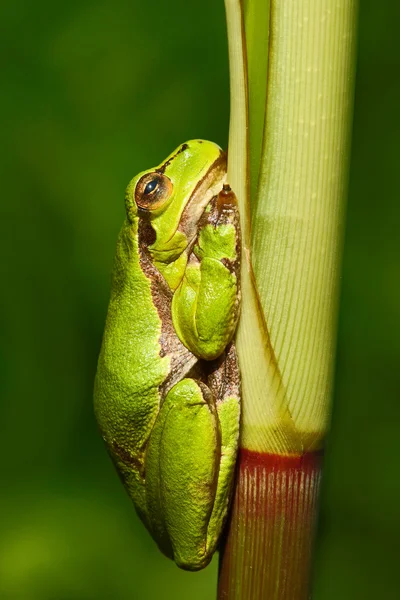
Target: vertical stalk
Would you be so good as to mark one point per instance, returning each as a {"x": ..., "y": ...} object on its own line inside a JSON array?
[
  {"x": 301, "y": 91},
  {"x": 269, "y": 545}
]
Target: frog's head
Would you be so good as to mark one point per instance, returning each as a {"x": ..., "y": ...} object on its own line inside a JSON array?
[{"x": 171, "y": 199}]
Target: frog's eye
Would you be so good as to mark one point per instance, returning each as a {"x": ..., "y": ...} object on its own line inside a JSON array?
[{"x": 153, "y": 190}]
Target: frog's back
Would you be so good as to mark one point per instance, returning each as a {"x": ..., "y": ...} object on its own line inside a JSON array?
[{"x": 140, "y": 359}]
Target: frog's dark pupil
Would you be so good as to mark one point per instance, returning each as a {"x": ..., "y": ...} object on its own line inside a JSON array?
[{"x": 150, "y": 187}]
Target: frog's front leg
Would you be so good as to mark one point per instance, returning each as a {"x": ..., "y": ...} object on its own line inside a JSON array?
[
  {"x": 190, "y": 464},
  {"x": 205, "y": 306}
]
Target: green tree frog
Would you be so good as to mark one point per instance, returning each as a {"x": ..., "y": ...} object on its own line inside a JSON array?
[{"x": 167, "y": 389}]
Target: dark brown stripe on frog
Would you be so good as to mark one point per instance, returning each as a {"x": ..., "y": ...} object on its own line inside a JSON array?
[
  {"x": 169, "y": 161},
  {"x": 127, "y": 458},
  {"x": 146, "y": 233},
  {"x": 181, "y": 359}
]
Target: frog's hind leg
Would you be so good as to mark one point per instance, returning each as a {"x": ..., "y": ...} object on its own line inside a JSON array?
[
  {"x": 224, "y": 382},
  {"x": 181, "y": 469}
]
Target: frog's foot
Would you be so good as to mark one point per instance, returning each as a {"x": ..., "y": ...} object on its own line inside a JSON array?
[{"x": 205, "y": 306}]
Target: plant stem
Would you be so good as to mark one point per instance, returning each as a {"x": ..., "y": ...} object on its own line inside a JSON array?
[
  {"x": 300, "y": 56},
  {"x": 269, "y": 544}
]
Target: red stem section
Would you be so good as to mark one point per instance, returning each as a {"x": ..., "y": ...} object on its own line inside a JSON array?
[{"x": 268, "y": 549}]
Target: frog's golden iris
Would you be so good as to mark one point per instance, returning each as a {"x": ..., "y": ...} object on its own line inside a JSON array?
[{"x": 153, "y": 190}]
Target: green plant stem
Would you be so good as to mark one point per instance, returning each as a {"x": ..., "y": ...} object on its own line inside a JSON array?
[{"x": 300, "y": 57}]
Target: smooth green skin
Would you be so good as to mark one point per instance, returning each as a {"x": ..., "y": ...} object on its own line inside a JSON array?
[{"x": 173, "y": 310}]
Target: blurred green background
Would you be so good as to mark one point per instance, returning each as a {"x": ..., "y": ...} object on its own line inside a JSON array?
[{"x": 93, "y": 92}]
